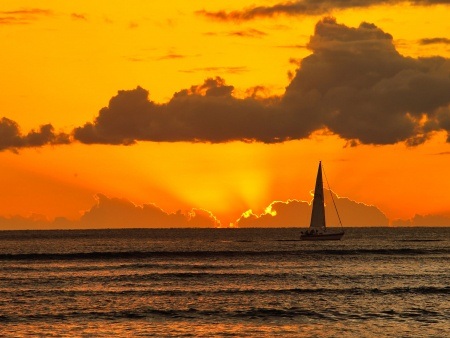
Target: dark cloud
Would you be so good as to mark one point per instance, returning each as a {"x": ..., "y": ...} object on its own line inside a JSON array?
[
  {"x": 442, "y": 120},
  {"x": 203, "y": 113},
  {"x": 360, "y": 87},
  {"x": 354, "y": 83},
  {"x": 295, "y": 213},
  {"x": 23, "y": 16},
  {"x": 432, "y": 41},
  {"x": 11, "y": 137},
  {"x": 305, "y": 7}
]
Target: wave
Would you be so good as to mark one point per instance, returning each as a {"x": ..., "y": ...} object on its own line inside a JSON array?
[
  {"x": 189, "y": 313},
  {"x": 205, "y": 254},
  {"x": 395, "y": 291},
  {"x": 257, "y": 313},
  {"x": 419, "y": 240},
  {"x": 424, "y": 290},
  {"x": 161, "y": 267}
]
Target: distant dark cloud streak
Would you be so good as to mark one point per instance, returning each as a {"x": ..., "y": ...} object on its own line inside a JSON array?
[
  {"x": 23, "y": 16},
  {"x": 78, "y": 16},
  {"x": 249, "y": 33},
  {"x": 432, "y": 41},
  {"x": 229, "y": 70},
  {"x": 305, "y": 7},
  {"x": 172, "y": 56},
  {"x": 243, "y": 33}
]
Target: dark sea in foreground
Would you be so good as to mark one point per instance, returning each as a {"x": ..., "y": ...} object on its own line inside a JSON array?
[{"x": 376, "y": 282}]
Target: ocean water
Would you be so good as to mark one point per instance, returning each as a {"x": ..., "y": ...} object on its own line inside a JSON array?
[{"x": 376, "y": 282}]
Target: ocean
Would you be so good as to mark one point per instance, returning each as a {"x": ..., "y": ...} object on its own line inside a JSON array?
[{"x": 375, "y": 282}]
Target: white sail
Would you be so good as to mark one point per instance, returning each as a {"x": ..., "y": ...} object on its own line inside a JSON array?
[{"x": 318, "y": 209}]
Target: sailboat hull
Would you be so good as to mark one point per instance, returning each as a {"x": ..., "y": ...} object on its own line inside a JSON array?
[{"x": 322, "y": 236}]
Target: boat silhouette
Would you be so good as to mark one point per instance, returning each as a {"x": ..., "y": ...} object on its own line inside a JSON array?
[{"x": 317, "y": 229}]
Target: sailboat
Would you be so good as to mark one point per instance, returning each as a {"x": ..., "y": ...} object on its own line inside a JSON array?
[{"x": 317, "y": 228}]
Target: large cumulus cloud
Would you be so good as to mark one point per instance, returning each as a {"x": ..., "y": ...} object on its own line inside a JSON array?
[
  {"x": 354, "y": 83},
  {"x": 361, "y": 88}
]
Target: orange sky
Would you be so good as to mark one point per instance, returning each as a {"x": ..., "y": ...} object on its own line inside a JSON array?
[{"x": 62, "y": 62}]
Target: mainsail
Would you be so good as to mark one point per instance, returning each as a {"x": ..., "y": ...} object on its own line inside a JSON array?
[{"x": 318, "y": 209}]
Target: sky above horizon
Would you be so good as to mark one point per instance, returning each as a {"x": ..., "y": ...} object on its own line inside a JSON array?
[{"x": 208, "y": 114}]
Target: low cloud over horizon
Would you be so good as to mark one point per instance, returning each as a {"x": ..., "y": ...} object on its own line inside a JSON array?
[
  {"x": 110, "y": 212},
  {"x": 354, "y": 84},
  {"x": 117, "y": 213},
  {"x": 298, "y": 214}
]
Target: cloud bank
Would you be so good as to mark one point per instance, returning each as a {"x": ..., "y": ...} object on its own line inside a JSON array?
[
  {"x": 354, "y": 83},
  {"x": 433, "y": 41},
  {"x": 306, "y": 7}
]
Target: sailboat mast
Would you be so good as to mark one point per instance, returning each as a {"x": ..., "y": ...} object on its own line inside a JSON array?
[{"x": 318, "y": 210}]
